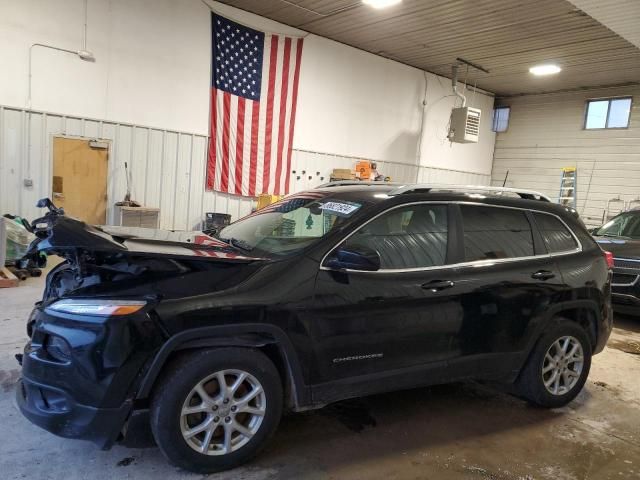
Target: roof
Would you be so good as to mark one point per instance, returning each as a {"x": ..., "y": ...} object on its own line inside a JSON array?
[
  {"x": 402, "y": 188},
  {"x": 379, "y": 192}
]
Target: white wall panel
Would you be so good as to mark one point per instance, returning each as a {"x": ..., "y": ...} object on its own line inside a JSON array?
[
  {"x": 318, "y": 166},
  {"x": 546, "y": 133},
  {"x": 152, "y": 68},
  {"x": 167, "y": 168}
]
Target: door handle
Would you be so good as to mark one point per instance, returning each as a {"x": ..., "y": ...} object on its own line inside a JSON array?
[
  {"x": 438, "y": 285},
  {"x": 543, "y": 275}
]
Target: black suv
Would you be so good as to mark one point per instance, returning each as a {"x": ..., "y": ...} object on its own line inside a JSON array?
[
  {"x": 337, "y": 292},
  {"x": 621, "y": 236}
]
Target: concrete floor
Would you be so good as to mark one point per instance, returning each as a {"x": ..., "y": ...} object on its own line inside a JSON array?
[{"x": 460, "y": 431}]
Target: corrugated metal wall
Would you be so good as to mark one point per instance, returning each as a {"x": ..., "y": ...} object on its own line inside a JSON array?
[
  {"x": 546, "y": 133},
  {"x": 167, "y": 167},
  {"x": 319, "y": 165}
]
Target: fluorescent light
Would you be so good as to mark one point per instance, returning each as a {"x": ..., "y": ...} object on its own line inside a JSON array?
[
  {"x": 548, "y": 69},
  {"x": 380, "y": 3}
]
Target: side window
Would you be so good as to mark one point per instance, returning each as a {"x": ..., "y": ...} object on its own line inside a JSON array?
[
  {"x": 492, "y": 232},
  {"x": 555, "y": 234},
  {"x": 500, "y": 119},
  {"x": 411, "y": 237}
]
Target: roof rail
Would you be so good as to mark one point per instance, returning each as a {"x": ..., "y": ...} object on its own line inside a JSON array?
[
  {"x": 427, "y": 187},
  {"x": 343, "y": 183},
  {"x": 522, "y": 193}
]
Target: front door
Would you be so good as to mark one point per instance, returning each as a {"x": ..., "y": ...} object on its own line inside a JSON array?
[
  {"x": 403, "y": 316},
  {"x": 80, "y": 179}
]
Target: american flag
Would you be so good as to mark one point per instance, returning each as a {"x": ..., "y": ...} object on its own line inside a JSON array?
[{"x": 253, "y": 107}]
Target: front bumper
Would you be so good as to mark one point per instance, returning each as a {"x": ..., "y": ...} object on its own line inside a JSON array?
[
  {"x": 88, "y": 392},
  {"x": 625, "y": 288},
  {"x": 626, "y": 303},
  {"x": 55, "y": 411}
]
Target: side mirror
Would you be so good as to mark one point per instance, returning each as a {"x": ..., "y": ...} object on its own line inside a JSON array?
[{"x": 356, "y": 257}]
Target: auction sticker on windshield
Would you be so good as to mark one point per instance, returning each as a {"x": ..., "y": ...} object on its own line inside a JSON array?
[{"x": 341, "y": 208}]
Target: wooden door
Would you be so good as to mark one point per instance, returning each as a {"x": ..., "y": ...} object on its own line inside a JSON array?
[{"x": 80, "y": 179}]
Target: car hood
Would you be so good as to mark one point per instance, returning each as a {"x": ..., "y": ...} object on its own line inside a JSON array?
[
  {"x": 620, "y": 247},
  {"x": 61, "y": 234}
]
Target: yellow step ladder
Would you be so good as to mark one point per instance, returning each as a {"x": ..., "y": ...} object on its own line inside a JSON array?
[{"x": 568, "y": 187}]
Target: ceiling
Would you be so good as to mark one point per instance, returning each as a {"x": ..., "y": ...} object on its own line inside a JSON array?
[
  {"x": 621, "y": 16},
  {"x": 505, "y": 37}
]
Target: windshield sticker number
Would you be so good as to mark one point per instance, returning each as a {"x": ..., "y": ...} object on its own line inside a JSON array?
[{"x": 339, "y": 208}]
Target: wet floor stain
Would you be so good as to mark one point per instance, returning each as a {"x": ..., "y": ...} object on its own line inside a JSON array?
[
  {"x": 8, "y": 379},
  {"x": 353, "y": 414},
  {"x": 626, "y": 346},
  {"x": 126, "y": 461}
]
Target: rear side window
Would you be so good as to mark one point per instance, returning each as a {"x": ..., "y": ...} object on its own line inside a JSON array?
[
  {"x": 492, "y": 232},
  {"x": 556, "y": 235},
  {"x": 410, "y": 237}
]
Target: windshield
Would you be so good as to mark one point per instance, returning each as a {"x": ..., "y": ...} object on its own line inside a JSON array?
[
  {"x": 290, "y": 225},
  {"x": 625, "y": 225}
]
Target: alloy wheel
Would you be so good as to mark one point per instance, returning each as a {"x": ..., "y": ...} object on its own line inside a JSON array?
[
  {"x": 562, "y": 365},
  {"x": 223, "y": 412}
]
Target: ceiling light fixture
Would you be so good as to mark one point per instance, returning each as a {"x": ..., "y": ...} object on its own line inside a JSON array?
[
  {"x": 381, "y": 3},
  {"x": 548, "y": 69}
]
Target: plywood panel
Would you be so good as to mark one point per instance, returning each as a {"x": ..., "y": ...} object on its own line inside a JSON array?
[{"x": 80, "y": 179}]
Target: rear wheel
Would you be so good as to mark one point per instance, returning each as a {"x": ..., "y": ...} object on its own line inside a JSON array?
[
  {"x": 558, "y": 367},
  {"x": 215, "y": 409}
]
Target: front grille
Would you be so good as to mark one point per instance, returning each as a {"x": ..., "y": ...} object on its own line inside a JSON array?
[
  {"x": 623, "y": 278},
  {"x": 627, "y": 264}
]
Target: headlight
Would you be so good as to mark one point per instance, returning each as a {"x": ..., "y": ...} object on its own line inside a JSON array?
[{"x": 102, "y": 308}]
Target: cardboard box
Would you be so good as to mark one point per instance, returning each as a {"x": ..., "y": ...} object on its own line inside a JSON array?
[
  {"x": 364, "y": 169},
  {"x": 342, "y": 174}
]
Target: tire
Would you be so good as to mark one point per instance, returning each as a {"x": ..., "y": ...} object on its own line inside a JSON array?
[
  {"x": 560, "y": 389},
  {"x": 209, "y": 450}
]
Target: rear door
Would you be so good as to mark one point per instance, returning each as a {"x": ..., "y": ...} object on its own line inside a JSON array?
[{"x": 507, "y": 281}]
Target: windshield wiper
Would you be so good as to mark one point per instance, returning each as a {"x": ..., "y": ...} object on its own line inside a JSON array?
[
  {"x": 611, "y": 235},
  {"x": 237, "y": 243}
]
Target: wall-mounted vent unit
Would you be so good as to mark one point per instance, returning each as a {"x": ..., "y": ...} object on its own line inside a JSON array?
[{"x": 465, "y": 125}]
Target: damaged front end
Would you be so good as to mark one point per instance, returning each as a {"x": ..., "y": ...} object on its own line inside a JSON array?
[
  {"x": 116, "y": 257},
  {"x": 97, "y": 328}
]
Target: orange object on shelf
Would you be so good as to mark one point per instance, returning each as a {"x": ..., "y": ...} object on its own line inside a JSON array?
[
  {"x": 265, "y": 199},
  {"x": 363, "y": 168}
]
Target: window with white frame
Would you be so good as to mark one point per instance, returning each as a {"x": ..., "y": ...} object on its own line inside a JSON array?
[
  {"x": 608, "y": 113},
  {"x": 500, "y": 119}
]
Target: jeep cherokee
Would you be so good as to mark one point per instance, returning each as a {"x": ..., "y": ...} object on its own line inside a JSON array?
[{"x": 329, "y": 294}]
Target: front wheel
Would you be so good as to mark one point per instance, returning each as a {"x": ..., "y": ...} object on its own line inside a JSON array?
[
  {"x": 215, "y": 409},
  {"x": 558, "y": 367}
]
